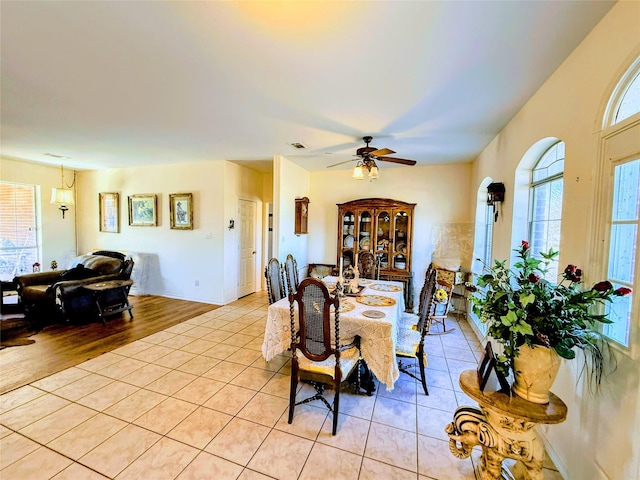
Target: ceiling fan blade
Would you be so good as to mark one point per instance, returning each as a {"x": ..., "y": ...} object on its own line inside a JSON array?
[
  {"x": 382, "y": 151},
  {"x": 342, "y": 163},
  {"x": 403, "y": 161}
]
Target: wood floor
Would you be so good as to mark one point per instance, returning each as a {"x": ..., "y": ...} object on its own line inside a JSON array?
[{"x": 61, "y": 346}]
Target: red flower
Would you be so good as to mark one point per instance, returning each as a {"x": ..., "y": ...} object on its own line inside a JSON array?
[
  {"x": 570, "y": 270},
  {"x": 603, "y": 286},
  {"x": 533, "y": 278},
  {"x": 622, "y": 291},
  {"x": 525, "y": 244}
]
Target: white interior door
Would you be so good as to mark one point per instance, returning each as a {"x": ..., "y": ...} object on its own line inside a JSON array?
[{"x": 247, "y": 272}]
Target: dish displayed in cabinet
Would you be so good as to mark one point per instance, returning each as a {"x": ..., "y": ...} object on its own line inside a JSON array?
[{"x": 348, "y": 241}]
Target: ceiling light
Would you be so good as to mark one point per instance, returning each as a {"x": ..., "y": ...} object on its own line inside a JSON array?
[
  {"x": 63, "y": 196},
  {"x": 373, "y": 172},
  {"x": 357, "y": 172}
]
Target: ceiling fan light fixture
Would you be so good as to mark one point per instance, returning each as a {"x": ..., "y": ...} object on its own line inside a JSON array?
[
  {"x": 357, "y": 172},
  {"x": 373, "y": 172}
]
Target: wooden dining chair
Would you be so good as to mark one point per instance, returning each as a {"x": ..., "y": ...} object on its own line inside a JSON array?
[
  {"x": 368, "y": 266},
  {"x": 275, "y": 282},
  {"x": 410, "y": 319},
  {"x": 315, "y": 357},
  {"x": 411, "y": 338},
  {"x": 291, "y": 273},
  {"x": 440, "y": 310}
]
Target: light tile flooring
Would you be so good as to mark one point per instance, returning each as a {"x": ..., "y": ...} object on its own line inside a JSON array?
[{"x": 197, "y": 401}]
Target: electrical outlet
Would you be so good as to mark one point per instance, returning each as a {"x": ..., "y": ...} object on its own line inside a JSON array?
[{"x": 197, "y": 283}]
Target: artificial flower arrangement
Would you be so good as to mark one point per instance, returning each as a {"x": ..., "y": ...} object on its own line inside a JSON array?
[
  {"x": 441, "y": 295},
  {"x": 520, "y": 307}
]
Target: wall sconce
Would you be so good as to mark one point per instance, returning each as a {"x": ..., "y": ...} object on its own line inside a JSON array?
[
  {"x": 63, "y": 196},
  {"x": 495, "y": 195},
  {"x": 232, "y": 224}
]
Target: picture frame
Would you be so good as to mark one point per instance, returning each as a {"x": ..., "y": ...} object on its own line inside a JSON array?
[
  {"x": 181, "y": 211},
  {"x": 301, "y": 220},
  {"x": 143, "y": 210},
  {"x": 109, "y": 212},
  {"x": 487, "y": 366}
]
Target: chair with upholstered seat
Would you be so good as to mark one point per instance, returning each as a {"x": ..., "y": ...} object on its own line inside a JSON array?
[
  {"x": 316, "y": 353},
  {"x": 410, "y": 319},
  {"x": 411, "y": 337},
  {"x": 291, "y": 273},
  {"x": 275, "y": 282},
  {"x": 368, "y": 266},
  {"x": 440, "y": 309}
]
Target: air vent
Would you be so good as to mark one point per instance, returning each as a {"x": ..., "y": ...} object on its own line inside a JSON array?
[
  {"x": 298, "y": 146},
  {"x": 56, "y": 156}
]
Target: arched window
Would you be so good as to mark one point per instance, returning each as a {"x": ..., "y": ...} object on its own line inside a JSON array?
[
  {"x": 483, "y": 237},
  {"x": 620, "y": 184},
  {"x": 545, "y": 211}
]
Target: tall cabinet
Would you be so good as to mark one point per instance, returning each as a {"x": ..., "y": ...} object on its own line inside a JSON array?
[{"x": 384, "y": 227}]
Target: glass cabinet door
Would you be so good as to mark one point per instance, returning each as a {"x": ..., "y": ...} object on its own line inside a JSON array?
[
  {"x": 383, "y": 237},
  {"x": 348, "y": 237},
  {"x": 401, "y": 223},
  {"x": 365, "y": 227}
]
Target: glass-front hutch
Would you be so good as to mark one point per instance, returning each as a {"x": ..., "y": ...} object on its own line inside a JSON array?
[{"x": 384, "y": 227}]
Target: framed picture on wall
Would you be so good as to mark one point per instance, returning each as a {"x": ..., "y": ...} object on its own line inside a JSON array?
[
  {"x": 143, "y": 210},
  {"x": 301, "y": 220},
  {"x": 109, "y": 212},
  {"x": 181, "y": 211}
]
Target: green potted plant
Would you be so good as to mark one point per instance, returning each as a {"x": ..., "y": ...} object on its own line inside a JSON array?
[{"x": 524, "y": 312}]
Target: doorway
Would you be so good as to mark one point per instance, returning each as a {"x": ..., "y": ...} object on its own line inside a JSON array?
[{"x": 247, "y": 247}]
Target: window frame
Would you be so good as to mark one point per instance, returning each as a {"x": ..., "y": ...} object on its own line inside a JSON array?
[
  {"x": 36, "y": 247},
  {"x": 616, "y": 150},
  {"x": 533, "y": 186}
]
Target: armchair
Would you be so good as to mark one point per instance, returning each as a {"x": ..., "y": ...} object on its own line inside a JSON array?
[{"x": 59, "y": 295}]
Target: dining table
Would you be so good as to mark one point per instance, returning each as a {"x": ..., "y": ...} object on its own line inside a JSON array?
[{"x": 372, "y": 313}]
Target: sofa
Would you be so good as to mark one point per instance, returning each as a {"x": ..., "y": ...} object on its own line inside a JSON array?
[{"x": 59, "y": 295}]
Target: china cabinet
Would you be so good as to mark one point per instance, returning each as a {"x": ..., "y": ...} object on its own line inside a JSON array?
[{"x": 384, "y": 227}]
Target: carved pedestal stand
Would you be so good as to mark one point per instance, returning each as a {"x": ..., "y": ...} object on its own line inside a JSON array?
[{"x": 504, "y": 427}]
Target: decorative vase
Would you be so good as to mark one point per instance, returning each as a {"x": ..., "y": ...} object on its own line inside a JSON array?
[{"x": 535, "y": 370}]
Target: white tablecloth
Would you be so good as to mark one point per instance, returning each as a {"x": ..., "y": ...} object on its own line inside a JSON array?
[{"x": 378, "y": 335}]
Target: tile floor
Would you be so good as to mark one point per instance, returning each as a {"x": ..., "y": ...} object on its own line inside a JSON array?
[{"x": 197, "y": 401}]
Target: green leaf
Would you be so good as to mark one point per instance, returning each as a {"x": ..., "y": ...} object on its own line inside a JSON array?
[{"x": 527, "y": 299}]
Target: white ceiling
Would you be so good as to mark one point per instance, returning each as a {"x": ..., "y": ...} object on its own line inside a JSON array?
[{"x": 117, "y": 83}]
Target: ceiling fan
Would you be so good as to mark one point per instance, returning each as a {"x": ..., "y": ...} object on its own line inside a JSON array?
[{"x": 367, "y": 157}]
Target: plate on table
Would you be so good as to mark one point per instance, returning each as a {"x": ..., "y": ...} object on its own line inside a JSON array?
[
  {"x": 376, "y": 300},
  {"x": 345, "y": 306},
  {"x": 364, "y": 281},
  {"x": 374, "y": 314},
  {"x": 385, "y": 288}
]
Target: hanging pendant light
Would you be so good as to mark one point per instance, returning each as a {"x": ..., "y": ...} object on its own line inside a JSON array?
[{"x": 63, "y": 196}]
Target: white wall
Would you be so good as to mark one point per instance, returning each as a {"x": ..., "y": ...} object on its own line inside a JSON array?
[
  {"x": 178, "y": 258},
  {"x": 290, "y": 182},
  {"x": 58, "y": 235},
  {"x": 442, "y": 194},
  {"x": 594, "y": 442}
]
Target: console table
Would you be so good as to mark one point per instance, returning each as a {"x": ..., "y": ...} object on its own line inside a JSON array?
[
  {"x": 111, "y": 297},
  {"x": 504, "y": 427}
]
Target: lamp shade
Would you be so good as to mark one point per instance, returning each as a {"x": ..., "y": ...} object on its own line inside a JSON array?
[
  {"x": 373, "y": 172},
  {"x": 357, "y": 173},
  {"x": 62, "y": 196}
]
